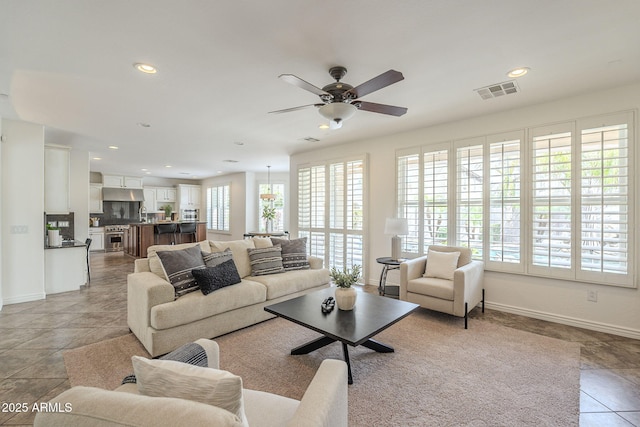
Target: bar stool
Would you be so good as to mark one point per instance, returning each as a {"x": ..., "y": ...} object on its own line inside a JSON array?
[
  {"x": 187, "y": 228},
  {"x": 88, "y": 244},
  {"x": 166, "y": 229}
]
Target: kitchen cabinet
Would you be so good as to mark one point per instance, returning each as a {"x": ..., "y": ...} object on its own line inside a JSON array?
[
  {"x": 96, "y": 234},
  {"x": 150, "y": 199},
  {"x": 56, "y": 179},
  {"x": 65, "y": 269},
  {"x": 95, "y": 198},
  {"x": 189, "y": 196},
  {"x": 121, "y": 181},
  {"x": 165, "y": 194}
]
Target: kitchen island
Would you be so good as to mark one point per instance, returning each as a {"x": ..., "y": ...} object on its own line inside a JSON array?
[
  {"x": 140, "y": 236},
  {"x": 65, "y": 267}
]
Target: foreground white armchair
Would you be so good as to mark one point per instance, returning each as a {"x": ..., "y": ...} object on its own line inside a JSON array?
[
  {"x": 324, "y": 404},
  {"x": 456, "y": 296}
]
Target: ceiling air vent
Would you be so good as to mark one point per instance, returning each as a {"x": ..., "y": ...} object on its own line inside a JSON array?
[
  {"x": 310, "y": 139},
  {"x": 498, "y": 89}
]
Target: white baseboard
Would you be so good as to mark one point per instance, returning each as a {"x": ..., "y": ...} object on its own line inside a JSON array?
[
  {"x": 25, "y": 298},
  {"x": 565, "y": 320}
]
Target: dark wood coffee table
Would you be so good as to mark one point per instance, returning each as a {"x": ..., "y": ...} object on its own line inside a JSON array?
[{"x": 371, "y": 315}]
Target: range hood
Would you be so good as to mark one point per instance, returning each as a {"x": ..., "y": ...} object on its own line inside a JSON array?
[{"x": 122, "y": 194}]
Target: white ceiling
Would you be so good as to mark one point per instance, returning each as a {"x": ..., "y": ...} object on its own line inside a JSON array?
[{"x": 67, "y": 64}]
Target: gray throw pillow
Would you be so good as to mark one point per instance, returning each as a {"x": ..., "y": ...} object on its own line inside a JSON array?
[
  {"x": 212, "y": 259},
  {"x": 266, "y": 260},
  {"x": 213, "y": 278},
  {"x": 294, "y": 253},
  {"x": 177, "y": 266}
]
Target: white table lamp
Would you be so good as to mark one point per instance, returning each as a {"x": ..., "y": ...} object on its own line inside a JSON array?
[{"x": 396, "y": 227}]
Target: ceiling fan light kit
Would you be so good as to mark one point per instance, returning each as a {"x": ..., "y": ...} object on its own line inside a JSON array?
[{"x": 340, "y": 100}]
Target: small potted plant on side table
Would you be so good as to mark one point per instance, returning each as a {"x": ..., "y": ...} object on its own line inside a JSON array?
[{"x": 344, "y": 280}]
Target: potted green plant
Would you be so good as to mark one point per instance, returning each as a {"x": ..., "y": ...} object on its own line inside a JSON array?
[
  {"x": 344, "y": 280},
  {"x": 167, "y": 211},
  {"x": 268, "y": 214}
]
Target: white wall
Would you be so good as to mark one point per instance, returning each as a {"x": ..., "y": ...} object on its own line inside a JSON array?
[
  {"x": 616, "y": 310},
  {"x": 79, "y": 192},
  {"x": 22, "y": 207}
]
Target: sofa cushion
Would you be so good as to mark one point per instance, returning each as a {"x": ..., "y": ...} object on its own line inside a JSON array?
[
  {"x": 441, "y": 264},
  {"x": 279, "y": 285},
  {"x": 433, "y": 287},
  {"x": 155, "y": 266},
  {"x": 195, "y": 306},
  {"x": 262, "y": 242},
  {"x": 178, "y": 266},
  {"x": 266, "y": 260},
  {"x": 239, "y": 250},
  {"x": 169, "y": 378},
  {"x": 211, "y": 279},
  {"x": 294, "y": 253},
  {"x": 97, "y": 407}
]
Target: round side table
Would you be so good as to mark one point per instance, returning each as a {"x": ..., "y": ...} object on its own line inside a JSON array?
[{"x": 388, "y": 263}]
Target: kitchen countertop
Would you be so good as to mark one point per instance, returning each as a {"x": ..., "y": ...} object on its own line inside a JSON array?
[{"x": 68, "y": 244}]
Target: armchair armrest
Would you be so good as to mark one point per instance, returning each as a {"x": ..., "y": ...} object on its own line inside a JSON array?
[
  {"x": 409, "y": 270},
  {"x": 315, "y": 263},
  {"x": 213, "y": 352},
  {"x": 468, "y": 282},
  {"x": 325, "y": 403}
]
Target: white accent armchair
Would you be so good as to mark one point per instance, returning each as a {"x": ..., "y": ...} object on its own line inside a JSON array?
[{"x": 464, "y": 290}]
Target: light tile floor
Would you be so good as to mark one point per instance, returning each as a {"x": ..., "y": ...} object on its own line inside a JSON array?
[{"x": 33, "y": 336}]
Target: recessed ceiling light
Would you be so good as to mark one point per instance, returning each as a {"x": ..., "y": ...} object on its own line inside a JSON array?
[
  {"x": 143, "y": 125},
  {"x": 168, "y": 166},
  {"x": 97, "y": 158},
  {"x": 324, "y": 126},
  {"x": 145, "y": 68},
  {"x": 518, "y": 72},
  {"x": 148, "y": 173},
  {"x": 113, "y": 147},
  {"x": 144, "y": 169}
]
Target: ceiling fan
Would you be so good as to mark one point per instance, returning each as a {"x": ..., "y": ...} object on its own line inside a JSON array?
[{"x": 340, "y": 100}]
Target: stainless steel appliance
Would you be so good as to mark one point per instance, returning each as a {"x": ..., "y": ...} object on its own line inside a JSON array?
[
  {"x": 114, "y": 237},
  {"x": 188, "y": 215}
]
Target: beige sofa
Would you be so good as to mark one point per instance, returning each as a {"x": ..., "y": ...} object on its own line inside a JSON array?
[
  {"x": 162, "y": 323},
  {"x": 324, "y": 403}
]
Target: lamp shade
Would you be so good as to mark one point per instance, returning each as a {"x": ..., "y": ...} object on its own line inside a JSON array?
[
  {"x": 337, "y": 111},
  {"x": 396, "y": 226}
]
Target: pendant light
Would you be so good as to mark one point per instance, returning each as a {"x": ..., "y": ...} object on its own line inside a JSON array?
[{"x": 269, "y": 195}]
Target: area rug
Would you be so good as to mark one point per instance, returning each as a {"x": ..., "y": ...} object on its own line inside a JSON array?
[{"x": 439, "y": 375}]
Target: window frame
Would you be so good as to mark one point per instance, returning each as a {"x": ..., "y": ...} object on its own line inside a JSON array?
[
  {"x": 525, "y": 136},
  {"x": 226, "y": 208}
]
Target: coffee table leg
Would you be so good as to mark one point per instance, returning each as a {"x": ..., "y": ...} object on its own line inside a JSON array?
[
  {"x": 345, "y": 351},
  {"x": 312, "y": 345},
  {"x": 378, "y": 346}
]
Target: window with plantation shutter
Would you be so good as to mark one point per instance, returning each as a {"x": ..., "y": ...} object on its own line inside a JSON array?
[
  {"x": 605, "y": 201},
  {"x": 408, "y": 178},
  {"x": 551, "y": 233},
  {"x": 505, "y": 201},
  {"x": 469, "y": 198},
  {"x": 435, "y": 198},
  {"x": 218, "y": 208},
  {"x": 333, "y": 222}
]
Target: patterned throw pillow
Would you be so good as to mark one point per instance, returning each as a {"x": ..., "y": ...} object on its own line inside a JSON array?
[
  {"x": 294, "y": 253},
  {"x": 213, "y": 278},
  {"x": 191, "y": 353},
  {"x": 266, "y": 260},
  {"x": 177, "y": 266},
  {"x": 168, "y": 378},
  {"x": 212, "y": 259}
]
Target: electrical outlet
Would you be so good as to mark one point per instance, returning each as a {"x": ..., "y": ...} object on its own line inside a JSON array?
[
  {"x": 63, "y": 224},
  {"x": 592, "y": 296}
]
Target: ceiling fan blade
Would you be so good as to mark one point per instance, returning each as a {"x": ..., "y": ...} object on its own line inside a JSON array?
[
  {"x": 377, "y": 83},
  {"x": 302, "y": 107},
  {"x": 381, "y": 108},
  {"x": 297, "y": 81}
]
